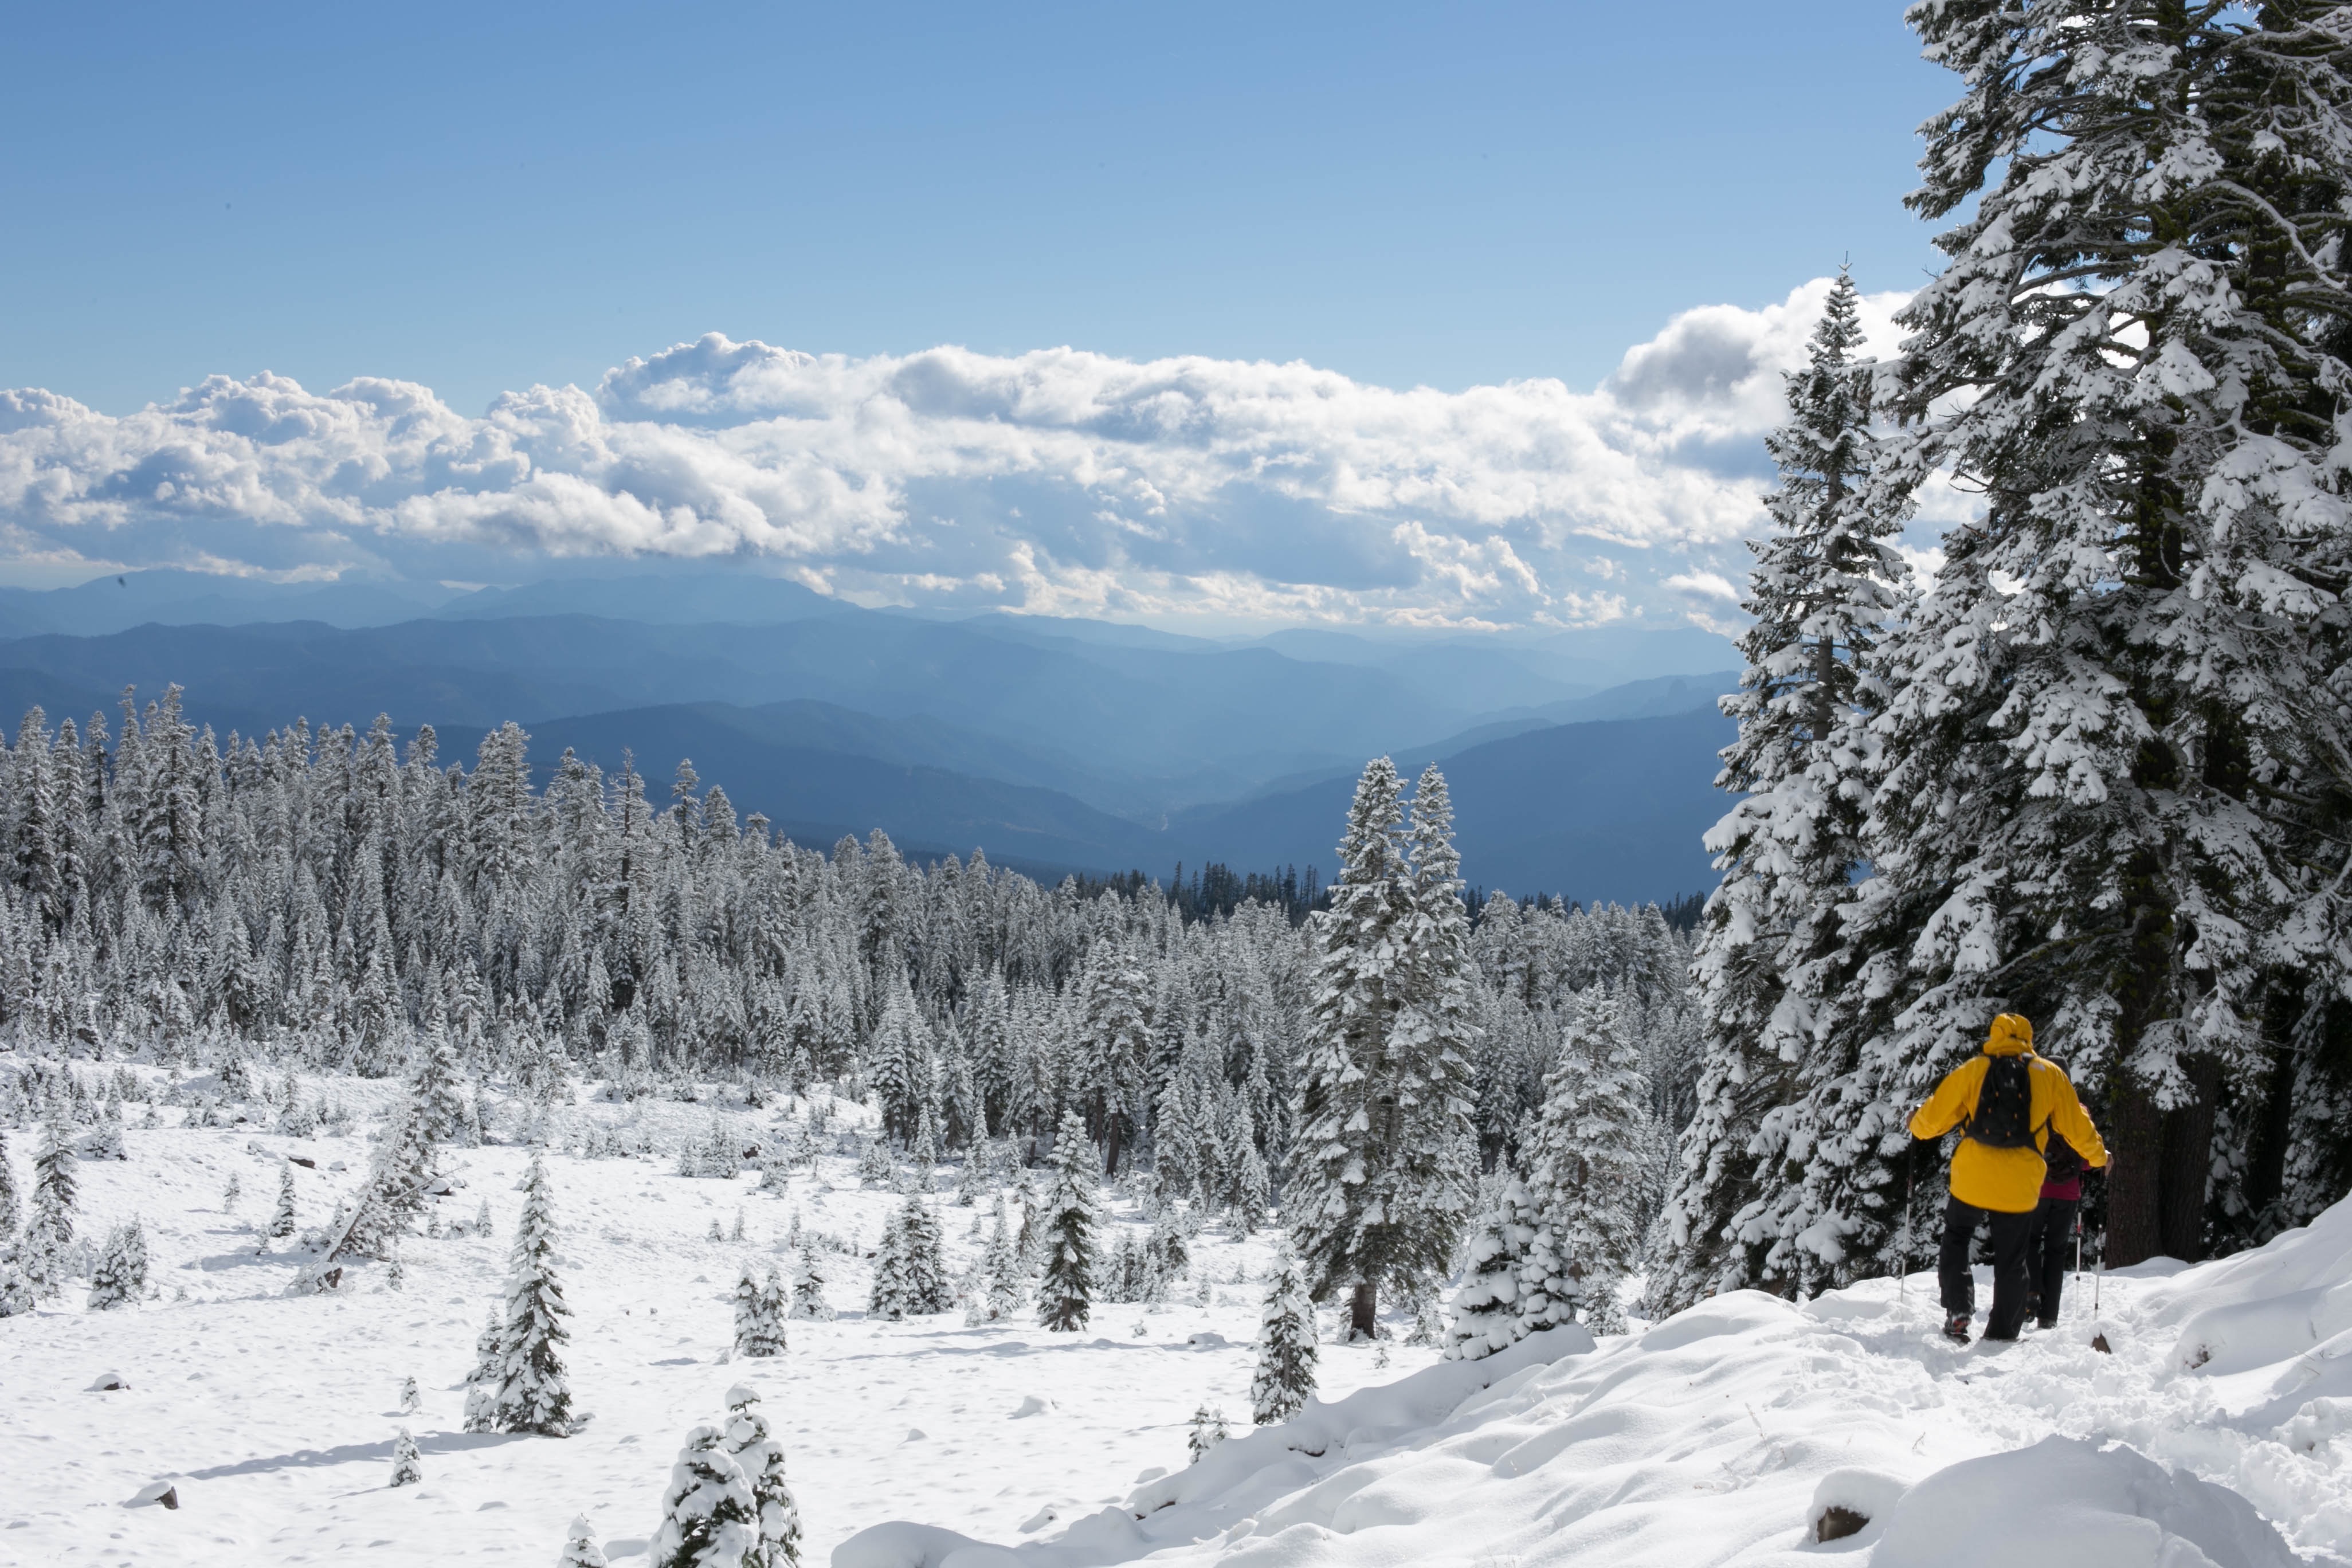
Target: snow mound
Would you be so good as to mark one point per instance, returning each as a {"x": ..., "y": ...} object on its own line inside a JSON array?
[
  {"x": 2065, "y": 1500},
  {"x": 1752, "y": 1430}
]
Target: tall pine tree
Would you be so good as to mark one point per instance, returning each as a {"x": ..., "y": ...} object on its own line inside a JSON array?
[{"x": 1826, "y": 578}]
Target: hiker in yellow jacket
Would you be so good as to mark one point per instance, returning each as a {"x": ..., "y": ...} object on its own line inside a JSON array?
[{"x": 2010, "y": 1103}]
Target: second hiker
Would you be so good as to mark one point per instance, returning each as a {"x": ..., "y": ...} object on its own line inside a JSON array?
[{"x": 2007, "y": 1101}]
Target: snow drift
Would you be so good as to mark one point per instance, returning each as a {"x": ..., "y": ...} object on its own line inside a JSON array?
[{"x": 1725, "y": 1434}]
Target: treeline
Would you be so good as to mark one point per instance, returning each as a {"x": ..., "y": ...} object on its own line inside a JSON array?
[{"x": 348, "y": 902}]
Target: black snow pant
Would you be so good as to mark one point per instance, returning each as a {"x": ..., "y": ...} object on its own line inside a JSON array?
[
  {"x": 2008, "y": 1272},
  {"x": 2049, "y": 1249}
]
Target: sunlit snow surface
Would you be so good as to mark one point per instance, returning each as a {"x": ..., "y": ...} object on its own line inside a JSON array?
[{"x": 1715, "y": 1437}]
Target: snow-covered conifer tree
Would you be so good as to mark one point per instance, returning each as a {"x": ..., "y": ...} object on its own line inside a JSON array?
[
  {"x": 1377, "y": 1196},
  {"x": 407, "y": 1463},
  {"x": 45, "y": 1255},
  {"x": 533, "y": 1395},
  {"x": 749, "y": 1329},
  {"x": 759, "y": 1315},
  {"x": 776, "y": 1516},
  {"x": 1584, "y": 1177},
  {"x": 808, "y": 1285},
  {"x": 8, "y": 1201},
  {"x": 774, "y": 1306},
  {"x": 579, "y": 1548},
  {"x": 887, "y": 1297},
  {"x": 1208, "y": 1429},
  {"x": 439, "y": 1088},
  {"x": 1001, "y": 1296},
  {"x": 281, "y": 1218},
  {"x": 389, "y": 1200},
  {"x": 119, "y": 1278},
  {"x": 1065, "y": 1293},
  {"x": 1285, "y": 1378},
  {"x": 708, "y": 1517},
  {"x": 1825, "y": 581},
  {"x": 1489, "y": 1313},
  {"x": 928, "y": 1288},
  {"x": 411, "y": 1400},
  {"x": 2081, "y": 811}
]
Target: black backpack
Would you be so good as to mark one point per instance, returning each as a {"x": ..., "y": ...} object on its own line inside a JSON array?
[{"x": 2004, "y": 1114}]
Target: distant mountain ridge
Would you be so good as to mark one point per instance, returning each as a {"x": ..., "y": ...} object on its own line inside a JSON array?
[{"x": 1056, "y": 743}]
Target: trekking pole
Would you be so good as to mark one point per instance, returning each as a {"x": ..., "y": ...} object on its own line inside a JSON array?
[{"x": 1902, "y": 1264}]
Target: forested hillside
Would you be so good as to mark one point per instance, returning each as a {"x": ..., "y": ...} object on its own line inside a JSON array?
[{"x": 346, "y": 902}]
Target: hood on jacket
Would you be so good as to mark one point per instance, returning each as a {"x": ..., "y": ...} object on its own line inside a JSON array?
[{"x": 2010, "y": 1035}]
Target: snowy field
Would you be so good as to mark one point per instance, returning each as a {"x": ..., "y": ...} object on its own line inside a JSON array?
[
  {"x": 1717, "y": 1437},
  {"x": 278, "y": 1413}
]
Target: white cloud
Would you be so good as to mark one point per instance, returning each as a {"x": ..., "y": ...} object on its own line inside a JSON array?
[
  {"x": 1056, "y": 481},
  {"x": 1704, "y": 585}
]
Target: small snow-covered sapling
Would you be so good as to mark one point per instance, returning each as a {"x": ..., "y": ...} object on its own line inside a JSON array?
[{"x": 406, "y": 1467}]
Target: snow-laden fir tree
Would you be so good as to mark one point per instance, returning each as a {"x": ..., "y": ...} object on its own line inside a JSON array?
[
  {"x": 482, "y": 1384},
  {"x": 533, "y": 1395},
  {"x": 999, "y": 1300},
  {"x": 439, "y": 1087},
  {"x": 388, "y": 1201},
  {"x": 873, "y": 1169},
  {"x": 775, "y": 1306},
  {"x": 9, "y": 1205},
  {"x": 407, "y": 1463},
  {"x": 1285, "y": 1378},
  {"x": 708, "y": 1517},
  {"x": 910, "y": 1276},
  {"x": 1066, "y": 1292},
  {"x": 1208, "y": 1429},
  {"x": 411, "y": 1399},
  {"x": 45, "y": 1255},
  {"x": 1378, "y": 1192},
  {"x": 281, "y": 1218},
  {"x": 749, "y": 1329},
  {"x": 808, "y": 1285},
  {"x": 119, "y": 1278},
  {"x": 756, "y": 1452},
  {"x": 1489, "y": 1311},
  {"x": 2113, "y": 713},
  {"x": 1826, "y": 579},
  {"x": 579, "y": 1548},
  {"x": 759, "y": 1314},
  {"x": 1584, "y": 1175},
  {"x": 229, "y": 1195}
]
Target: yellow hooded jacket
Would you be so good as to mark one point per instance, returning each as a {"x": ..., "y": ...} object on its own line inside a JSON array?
[{"x": 2008, "y": 1181}]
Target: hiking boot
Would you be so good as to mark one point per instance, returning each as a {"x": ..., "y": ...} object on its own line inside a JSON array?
[
  {"x": 2045, "y": 1322},
  {"x": 1955, "y": 1327}
]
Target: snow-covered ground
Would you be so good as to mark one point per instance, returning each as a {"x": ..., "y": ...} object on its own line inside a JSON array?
[
  {"x": 1718, "y": 1435},
  {"x": 275, "y": 1413}
]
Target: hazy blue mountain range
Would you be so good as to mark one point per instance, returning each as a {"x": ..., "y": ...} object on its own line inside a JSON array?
[{"x": 1055, "y": 744}]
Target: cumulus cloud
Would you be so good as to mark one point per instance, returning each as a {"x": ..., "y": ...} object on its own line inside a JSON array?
[{"x": 1057, "y": 481}]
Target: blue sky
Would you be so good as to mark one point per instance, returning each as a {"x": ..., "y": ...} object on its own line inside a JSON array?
[
  {"x": 482, "y": 199},
  {"x": 479, "y": 197}
]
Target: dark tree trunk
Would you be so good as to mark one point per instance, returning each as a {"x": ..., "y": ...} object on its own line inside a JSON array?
[
  {"x": 2189, "y": 1161},
  {"x": 2134, "y": 1133},
  {"x": 1363, "y": 1311}
]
